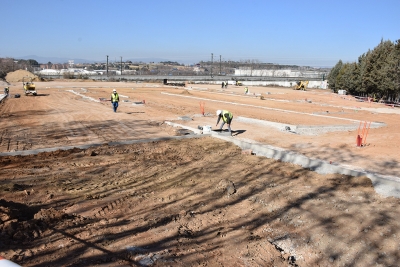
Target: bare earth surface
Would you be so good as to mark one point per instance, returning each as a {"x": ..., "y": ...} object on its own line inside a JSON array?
[{"x": 195, "y": 201}]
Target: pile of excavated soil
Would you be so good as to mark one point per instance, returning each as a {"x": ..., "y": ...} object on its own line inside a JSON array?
[{"x": 18, "y": 75}]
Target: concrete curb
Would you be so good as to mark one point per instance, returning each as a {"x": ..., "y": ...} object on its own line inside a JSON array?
[
  {"x": 383, "y": 184},
  {"x": 86, "y": 146}
]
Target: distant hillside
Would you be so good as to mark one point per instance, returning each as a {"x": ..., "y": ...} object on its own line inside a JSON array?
[{"x": 55, "y": 60}]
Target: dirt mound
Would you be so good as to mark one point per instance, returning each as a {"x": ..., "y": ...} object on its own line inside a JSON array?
[{"x": 18, "y": 75}]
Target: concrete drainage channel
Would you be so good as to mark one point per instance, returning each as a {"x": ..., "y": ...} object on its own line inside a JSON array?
[{"x": 384, "y": 185}]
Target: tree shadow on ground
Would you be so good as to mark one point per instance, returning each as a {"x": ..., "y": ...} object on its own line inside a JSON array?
[
  {"x": 237, "y": 132},
  {"x": 344, "y": 155}
]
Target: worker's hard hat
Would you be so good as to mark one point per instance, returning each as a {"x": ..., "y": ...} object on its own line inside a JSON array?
[
  {"x": 114, "y": 90},
  {"x": 218, "y": 112}
]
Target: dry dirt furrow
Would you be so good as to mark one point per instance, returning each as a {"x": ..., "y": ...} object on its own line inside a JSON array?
[{"x": 164, "y": 203}]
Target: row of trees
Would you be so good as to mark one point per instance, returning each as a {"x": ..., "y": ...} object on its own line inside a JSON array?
[
  {"x": 376, "y": 74},
  {"x": 254, "y": 64}
]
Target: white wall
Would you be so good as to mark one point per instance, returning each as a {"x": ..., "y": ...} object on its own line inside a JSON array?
[{"x": 311, "y": 84}]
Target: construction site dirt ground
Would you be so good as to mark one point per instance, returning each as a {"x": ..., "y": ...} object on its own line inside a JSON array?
[{"x": 192, "y": 201}]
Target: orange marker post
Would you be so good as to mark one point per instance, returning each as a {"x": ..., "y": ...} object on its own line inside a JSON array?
[
  {"x": 202, "y": 104},
  {"x": 362, "y": 133},
  {"x": 358, "y": 138},
  {"x": 366, "y": 134}
]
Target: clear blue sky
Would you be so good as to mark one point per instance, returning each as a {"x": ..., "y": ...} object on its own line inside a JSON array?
[{"x": 308, "y": 32}]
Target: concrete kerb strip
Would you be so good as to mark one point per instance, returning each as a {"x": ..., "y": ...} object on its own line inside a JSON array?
[
  {"x": 384, "y": 185},
  {"x": 196, "y": 131},
  {"x": 277, "y": 125},
  {"x": 52, "y": 149},
  {"x": 86, "y": 146}
]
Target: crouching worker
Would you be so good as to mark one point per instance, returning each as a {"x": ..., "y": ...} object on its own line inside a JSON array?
[{"x": 226, "y": 118}]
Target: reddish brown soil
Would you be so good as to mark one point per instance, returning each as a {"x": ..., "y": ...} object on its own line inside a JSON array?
[{"x": 191, "y": 202}]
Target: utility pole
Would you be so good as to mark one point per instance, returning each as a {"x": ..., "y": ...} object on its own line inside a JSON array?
[
  {"x": 211, "y": 64},
  {"x": 220, "y": 65},
  {"x": 121, "y": 66},
  {"x": 107, "y": 65}
]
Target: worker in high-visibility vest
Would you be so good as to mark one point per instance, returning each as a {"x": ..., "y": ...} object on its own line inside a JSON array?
[
  {"x": 246, "y": 90},
  {"x": 114, "y": 100},
  {"x": 226, "y": 117}
]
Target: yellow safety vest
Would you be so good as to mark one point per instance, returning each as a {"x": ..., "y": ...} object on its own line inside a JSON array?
[
  {"x": 225, "y": 115},
  {"x": 114, "y": 97}
]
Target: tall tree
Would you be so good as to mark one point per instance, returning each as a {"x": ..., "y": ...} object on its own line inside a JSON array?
[
  {"x": 394, "y": 69},
  {"x": 341, "y": 78},
  {"x": 388, "y": 83},
  {"x": 333, "y": 75},
  {"x": 362, "y": 63},
  {"x": 348, "y": 77},
  {"x": 32, "y": 62},
  {"x": 375, "y": 77}
]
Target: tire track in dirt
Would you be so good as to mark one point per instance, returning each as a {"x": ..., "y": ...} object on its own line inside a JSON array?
[
  {"x": 13, "y": 140},
  {"x": 93, "y": 128},
  {"x": 76, "y": 132},
  {"x": 5, "y": 115},
  {"x": 59, "y": 118},
  {"x": 119, "y": 206}
]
